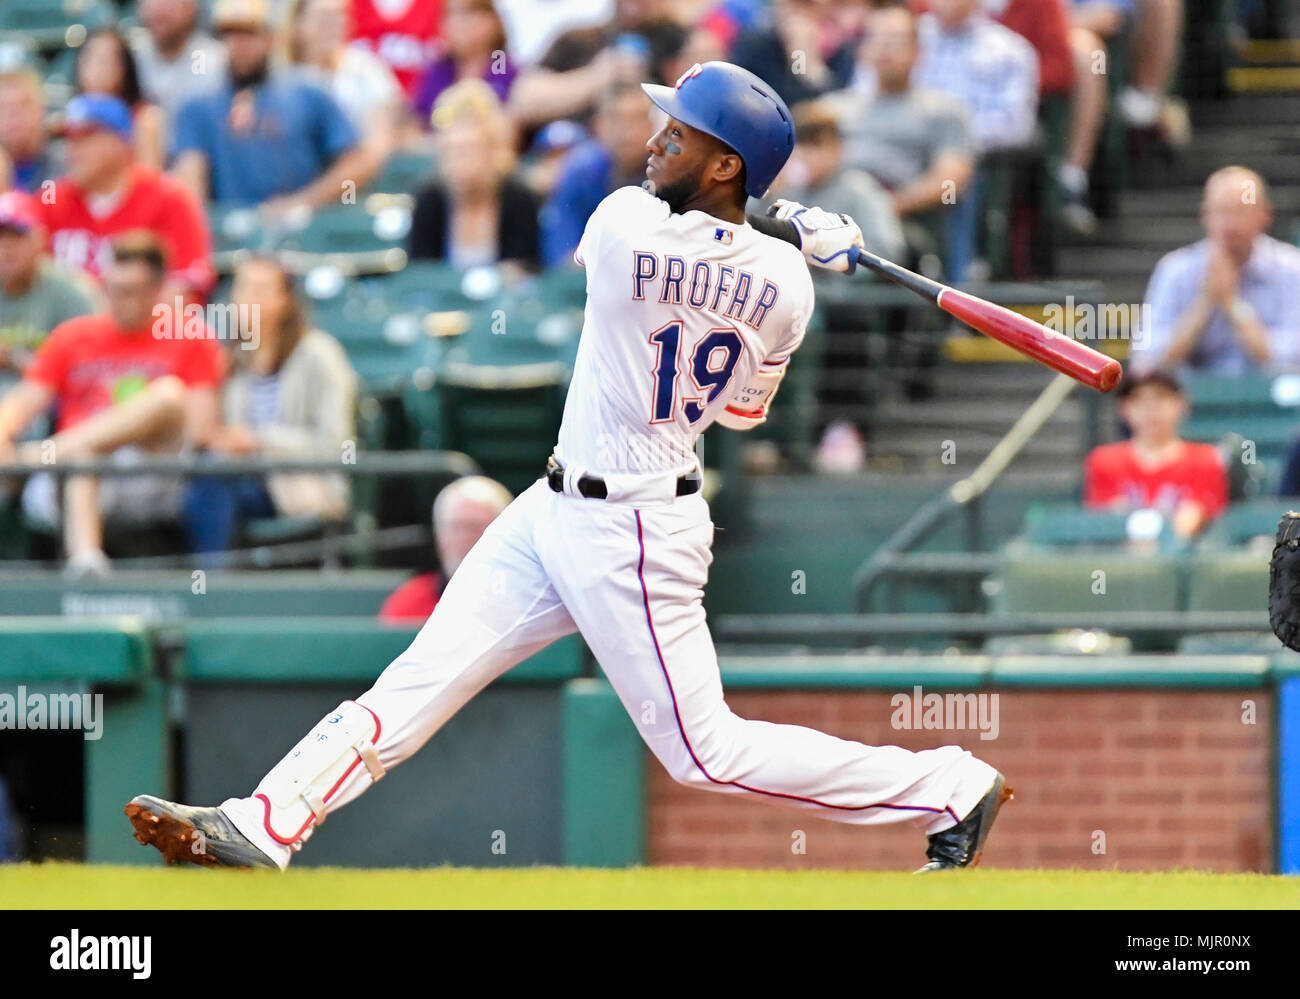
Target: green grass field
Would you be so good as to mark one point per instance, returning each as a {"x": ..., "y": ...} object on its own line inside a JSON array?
[{"x": 77, "y": 886}]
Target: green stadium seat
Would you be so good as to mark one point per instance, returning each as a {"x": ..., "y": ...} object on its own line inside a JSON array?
[
  {"x": 1228, "y": 643},
  {"x": 564, "y": 285},
  {"x": 504, "y": 417},
  {"x": 1271, "y": 433},
  {"x": 1069, "y": 525},
  {"x": 1228, "y": 581},
  {"x": 386, "y": 347},
  {"x": 403, "y": 173},
  {"x": 425, "y": 286},
  {"x": 1241, "y": 522},
  {"x": 348, "y": 230},
  {"x": 1042, "y": 582},
  {"x": 1214, "y": 395},
  {"x": 235, "y": 229},
  {"x": 60, "y": 76},
  {"x": 54, "y": 22}
]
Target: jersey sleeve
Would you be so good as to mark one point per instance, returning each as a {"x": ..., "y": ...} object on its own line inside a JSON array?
[
  {"x": 622, "y": 211},
  {"x": 800, "y": 315}
]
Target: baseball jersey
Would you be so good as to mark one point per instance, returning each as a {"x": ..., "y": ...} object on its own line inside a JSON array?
[
  {"x": 682, "y": 310},
  {"x": 80, "y": 233},
  {"x": 403, "y": 33}
]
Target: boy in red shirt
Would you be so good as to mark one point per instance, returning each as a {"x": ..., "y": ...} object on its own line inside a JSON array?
[
  {"x": 126, "y": 379},
  {"x": 1156, "y": 468},
  {"x": 105, "y": 194}
]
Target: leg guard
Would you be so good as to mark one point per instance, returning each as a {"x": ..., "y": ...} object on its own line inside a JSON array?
[{"x": 297, "y": 789}]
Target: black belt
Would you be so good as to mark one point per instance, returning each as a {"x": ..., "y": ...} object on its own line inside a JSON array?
[{"x": 594, "y": 488}]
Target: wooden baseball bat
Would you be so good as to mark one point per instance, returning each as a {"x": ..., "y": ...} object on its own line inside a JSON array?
[{"x": 1058, "y": 351}]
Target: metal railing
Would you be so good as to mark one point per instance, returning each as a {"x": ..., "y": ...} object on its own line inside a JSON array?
[
  {"x": 962, "y": 497},
  {"x": 364, "y": 538},
  {"x": 830, "y": 628}
]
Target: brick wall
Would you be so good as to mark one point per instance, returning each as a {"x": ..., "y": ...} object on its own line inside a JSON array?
[{"x": 1173, "y": 779}]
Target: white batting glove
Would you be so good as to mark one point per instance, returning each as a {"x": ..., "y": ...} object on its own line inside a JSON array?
[{"x": 825, "y": 237}]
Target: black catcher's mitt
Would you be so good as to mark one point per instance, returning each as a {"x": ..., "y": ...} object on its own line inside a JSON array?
[{"x": 1284, "y": 582}]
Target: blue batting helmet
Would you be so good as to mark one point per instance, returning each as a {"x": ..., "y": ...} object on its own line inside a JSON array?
[{"x": 735, "y": 106}]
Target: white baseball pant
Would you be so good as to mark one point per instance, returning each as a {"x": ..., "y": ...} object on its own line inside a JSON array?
[{"x": 629, "y": 572}]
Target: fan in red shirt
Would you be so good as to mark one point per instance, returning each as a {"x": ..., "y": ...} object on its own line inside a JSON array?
[
  {"x": 1156, "y": 468},
  {"x": 403, "y": 33},
  {"x": 132, "y": 379},
  {"x": 106, "y": 194},
  {"x": 461, "y": 513}
]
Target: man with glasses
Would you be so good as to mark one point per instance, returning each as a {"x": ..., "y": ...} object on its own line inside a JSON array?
[{"x": 129, "y": 381}]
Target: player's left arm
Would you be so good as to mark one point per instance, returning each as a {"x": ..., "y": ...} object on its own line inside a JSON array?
[
  {"x": 752, "y": 400},
  {"x": 825, "y": 238}
]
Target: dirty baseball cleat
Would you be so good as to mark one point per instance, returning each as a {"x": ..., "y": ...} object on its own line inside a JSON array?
[
  {"x": 961, "y": 845},
  {"x": 185, "y": 834}
]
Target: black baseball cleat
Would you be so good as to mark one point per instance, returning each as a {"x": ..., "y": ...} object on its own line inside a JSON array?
[
  {"x": 185, "y": 834},
  {"x": 961, "y": 845}
]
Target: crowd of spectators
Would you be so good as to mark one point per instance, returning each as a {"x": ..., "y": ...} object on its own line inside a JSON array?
[{"x": 526, "y": 114}]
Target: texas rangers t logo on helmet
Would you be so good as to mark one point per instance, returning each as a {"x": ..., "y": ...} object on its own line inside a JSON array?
[{"x": 689, "y": 74}]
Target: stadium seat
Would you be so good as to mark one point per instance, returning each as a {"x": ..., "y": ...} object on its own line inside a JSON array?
[
  {"x": 505, "y": 417},
  {"x": 234, "y": 229},
  {"x": 425, "y": 286},
  {"x": 567, "y": 285},
  {"x": 54, "y": 22},
  {"x": 60, "y": 76},
  {"x": 1069, "y": 525},
  {"x": 1242, "y": 522},
  {"x": 403, "y": 173},
  {"x": 1212, "y": 394},
  {"x": 1039, "y": 582},
  {"x": 385, "y": 346},
  {"x": 1271, "y": 434},
  {"x": 348, "y": 230},
  {"x": 1228, "y": 581},
  {"x": 1227, "y": 643}
]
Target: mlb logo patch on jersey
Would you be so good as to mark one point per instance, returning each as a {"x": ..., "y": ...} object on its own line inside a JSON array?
[{"x": 723, "y": 236}]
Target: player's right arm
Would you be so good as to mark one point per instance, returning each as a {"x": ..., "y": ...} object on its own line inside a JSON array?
[{"x": 622, "y": 210}]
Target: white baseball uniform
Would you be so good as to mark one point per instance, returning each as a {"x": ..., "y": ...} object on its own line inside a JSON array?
[{"x": 681, "y": 310}]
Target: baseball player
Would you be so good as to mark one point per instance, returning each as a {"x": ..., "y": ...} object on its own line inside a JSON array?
[{"x": 693, "y": 311}]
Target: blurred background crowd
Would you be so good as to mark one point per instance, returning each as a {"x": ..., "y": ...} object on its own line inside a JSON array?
[{"x": 385, "y": 195}]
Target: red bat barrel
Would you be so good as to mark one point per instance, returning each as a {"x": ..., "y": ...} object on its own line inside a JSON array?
[{"x": 1056, "y": 350}]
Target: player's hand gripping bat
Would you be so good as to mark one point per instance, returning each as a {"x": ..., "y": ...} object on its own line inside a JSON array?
[{"x": 834, "y": 241}]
